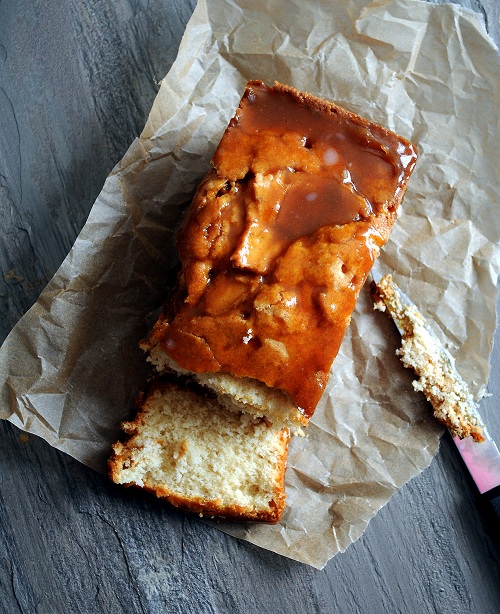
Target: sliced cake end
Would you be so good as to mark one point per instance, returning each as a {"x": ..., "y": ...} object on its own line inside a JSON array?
[{"x": 185, "y": 447}]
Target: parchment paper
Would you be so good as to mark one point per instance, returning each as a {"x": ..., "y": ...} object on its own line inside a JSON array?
[{"x": 71, "y": 367}]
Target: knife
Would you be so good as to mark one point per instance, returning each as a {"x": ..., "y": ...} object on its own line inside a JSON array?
[{"x": 481, "y": 458}]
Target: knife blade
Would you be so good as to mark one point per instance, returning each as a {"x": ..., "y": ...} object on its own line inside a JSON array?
[{"x": 479, "y": 452}]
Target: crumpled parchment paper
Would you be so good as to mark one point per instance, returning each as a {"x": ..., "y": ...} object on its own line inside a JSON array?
[{"x": 71, "y": 367}]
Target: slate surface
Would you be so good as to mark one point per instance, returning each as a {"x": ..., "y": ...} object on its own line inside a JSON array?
[{"x": 77, "y": 79}]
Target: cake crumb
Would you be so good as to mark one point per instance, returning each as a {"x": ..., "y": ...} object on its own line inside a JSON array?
[{"x": 438, "y": 378}]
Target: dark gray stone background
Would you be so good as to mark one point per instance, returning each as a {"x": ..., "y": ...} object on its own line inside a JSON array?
[{"x": 77, "y": 79}]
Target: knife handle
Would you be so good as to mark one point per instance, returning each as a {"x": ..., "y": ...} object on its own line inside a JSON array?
[{"x": 493, "y": 498}]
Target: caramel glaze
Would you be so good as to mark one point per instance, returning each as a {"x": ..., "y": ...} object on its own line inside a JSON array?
[{"x": 280, "y": 238}]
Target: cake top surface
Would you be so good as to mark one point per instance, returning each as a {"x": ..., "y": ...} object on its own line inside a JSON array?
[{"x": 279, "y": 239}]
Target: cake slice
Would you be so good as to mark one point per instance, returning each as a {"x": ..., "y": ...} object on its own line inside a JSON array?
[
  {"x": 276, "y": 245},
  {"x": 184, "y": 447}
]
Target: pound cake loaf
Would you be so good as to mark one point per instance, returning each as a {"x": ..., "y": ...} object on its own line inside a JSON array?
[
  {"x": 276, "y": 245},
  {"x": 184, "y": 447}
]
